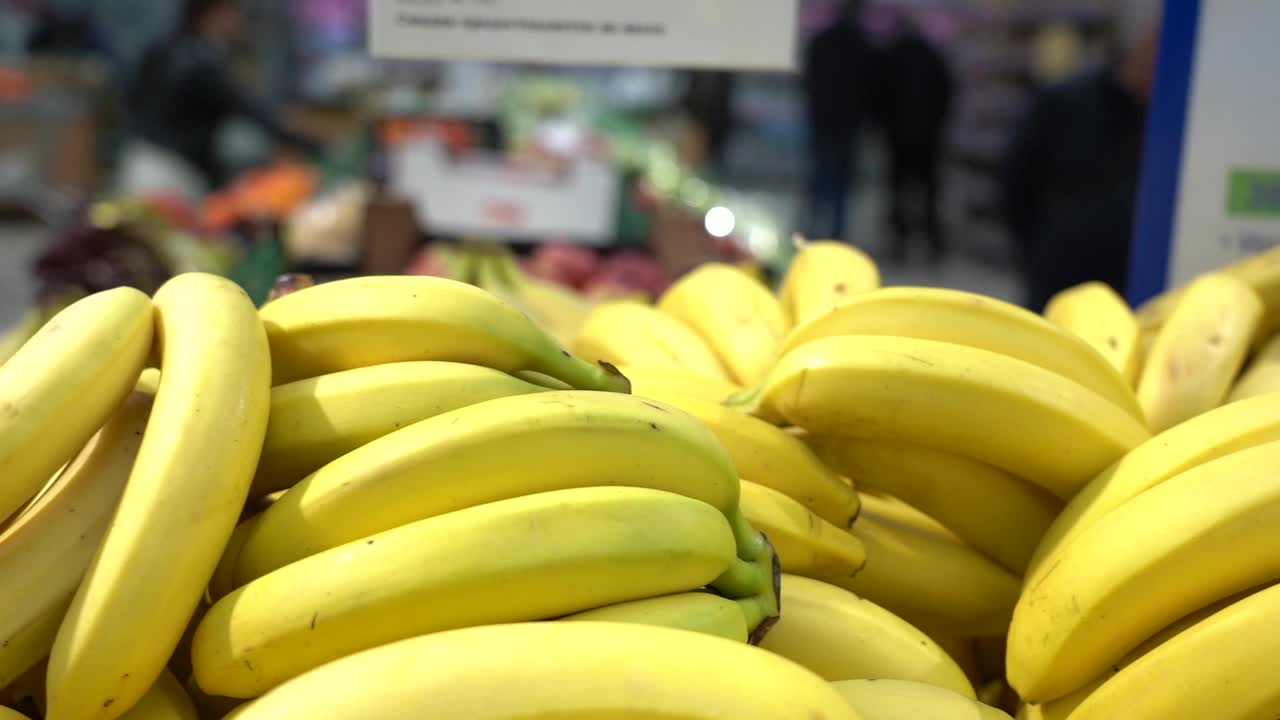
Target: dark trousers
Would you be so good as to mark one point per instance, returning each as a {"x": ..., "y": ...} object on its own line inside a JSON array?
[
  {"x": 913, "y": 174},
  {"x": 831, "y": 175}
]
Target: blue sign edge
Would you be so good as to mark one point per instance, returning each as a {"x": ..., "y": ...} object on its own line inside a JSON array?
[{"x": 1162, "y": 152}]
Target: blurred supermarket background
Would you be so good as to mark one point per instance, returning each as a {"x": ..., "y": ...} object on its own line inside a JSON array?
[{"x": 988, "y": 145}]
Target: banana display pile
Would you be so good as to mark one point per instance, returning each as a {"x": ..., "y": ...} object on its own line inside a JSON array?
[{"x": 402, "y": 497}]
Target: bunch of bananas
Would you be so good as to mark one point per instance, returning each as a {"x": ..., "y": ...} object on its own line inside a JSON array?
[{"x": 397, "y": 497}]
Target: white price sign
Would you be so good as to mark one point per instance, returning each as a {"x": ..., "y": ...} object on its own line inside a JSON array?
[
  {"x": 1211, "y": 182},
  {"x": 739, "y": 34}
]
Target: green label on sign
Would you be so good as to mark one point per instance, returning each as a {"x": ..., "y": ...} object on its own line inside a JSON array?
[{"x": 1254, "y": 193}]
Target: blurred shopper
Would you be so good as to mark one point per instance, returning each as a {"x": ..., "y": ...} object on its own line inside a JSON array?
[
  {"x": 915, "y": 101},
  {"x": 1070, "y": 175},
  {"x": 837, "y": 77},
  {"x": 183, "y": 93}
]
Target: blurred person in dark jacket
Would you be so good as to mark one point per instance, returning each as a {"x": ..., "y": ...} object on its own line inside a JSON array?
[
  {"x": 183, "y": 94},
  {"x": 914, "y": 102},
  {"x": 837, "y": 78},
  {"x": 708, "y": 100},
  {"x": 1070, "y": 175}
]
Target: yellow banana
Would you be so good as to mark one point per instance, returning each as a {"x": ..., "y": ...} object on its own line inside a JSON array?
[
  {"x": 1061, "y": 708},
  {"x": 557, "y": 670},
  {"x": 211, "y": 707},
  {"x": 1193, "y": 540},
  {"x": 44, "y": 553},
  {"x": 1219, "y": 432},
  {"x": 560, "y": 310},
  {"x": 931, "y": 580},
  {"x": 888, "y": 507},
  {"x": 632, "y": 333},
  {"x": 7, "y": 714},
  {"x": 374, "y": 320},
  {"x": 64, "y": 383},
  {"x": 702, "y": 612},
  {"x": 1096, "y": 314},
  {"x": 491, "y": 451},
  {"x": 1220, "y": 667},
  {"x": 822, "y": 274},
  {"x": 166, "y": 700},
  {"x": 1017, "y": 416},
  {"x": 837, "y": 634},
  {"x": 1199, "y": 351},
  {"x": 1262, "y": 375},
  {"x": 975, "y": 321},
  {"x": 181, "y": 502},
  {"x": 655, "y": 381},
  {"x": 223, "y": 580},
  {"x": 1260, "y": 272},
  {"x": 180, "y": 661},
  {"x": 737, "y": 316},
  {"x": 806, "y": 544},
  {"x": 882, "y": 699},
  {"x": 1000, "y": 515},
  {"x": 528, "y": 558},
  {"x": 768, "y": 456},
  {"x": 319, "y": 419}
]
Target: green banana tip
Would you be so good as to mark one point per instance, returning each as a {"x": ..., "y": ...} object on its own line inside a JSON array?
[
  {"x": 748, "y": 400},
  {"x": 770, "y": 600},
  {"x": 615, "y": 375}
]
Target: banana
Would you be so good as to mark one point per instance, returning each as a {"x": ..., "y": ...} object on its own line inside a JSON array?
[
  {"x": 823, "y": 273},
  {"x": 319, "y": 419},
  {"x": 1195, "y": 539},
  {"x": 64, "y": 383},
  {"x": 528, "y": 558},
  {"x": 180, "y": 661},
  {"x": 560, "y": 310},
  {"x": 882, "y": 699},
  {"x": 888, "y": 507},
  {"x": 374, "y": 320},
  {"x": 702, "y": 612},
  {"x": 1262, "y": 375},
  {"x": 769, "y": 456},
  {"x": 1260, "y": 272},
  {"x": 1220, "y": 667},
  {"x": 1096, "y": 314},
  {"x": 632, "y": 333},
  {"x": 932, "y": 580},
  {"x": 975, "y": 321},
  {"x": 649, "y": 381},
  {"x": 181, "y": 502},
  {"x": 806, "y": 544},
  {"x": 500, "y": 449},
  {"x": 737, "y": 317},
  {"x": 45, "y": 552},
  {"x": 557, "y": 670},
  {"x": 1005, "y": 412},
  {"x": 222, "y": 582},
  {"x": 1219, "y": 432},
  {"x": 7, "y": 714},
  {"x": 839, "y": 635},
  {"x": 1061, "y": 708},
  {"x": 1199, "y": 351},
  {"x": 211, "y": 707},
  {"x": 490, "y": 277},
  {"x": 1000, "y": 515},
  {"x": 166, "y": 700}
]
